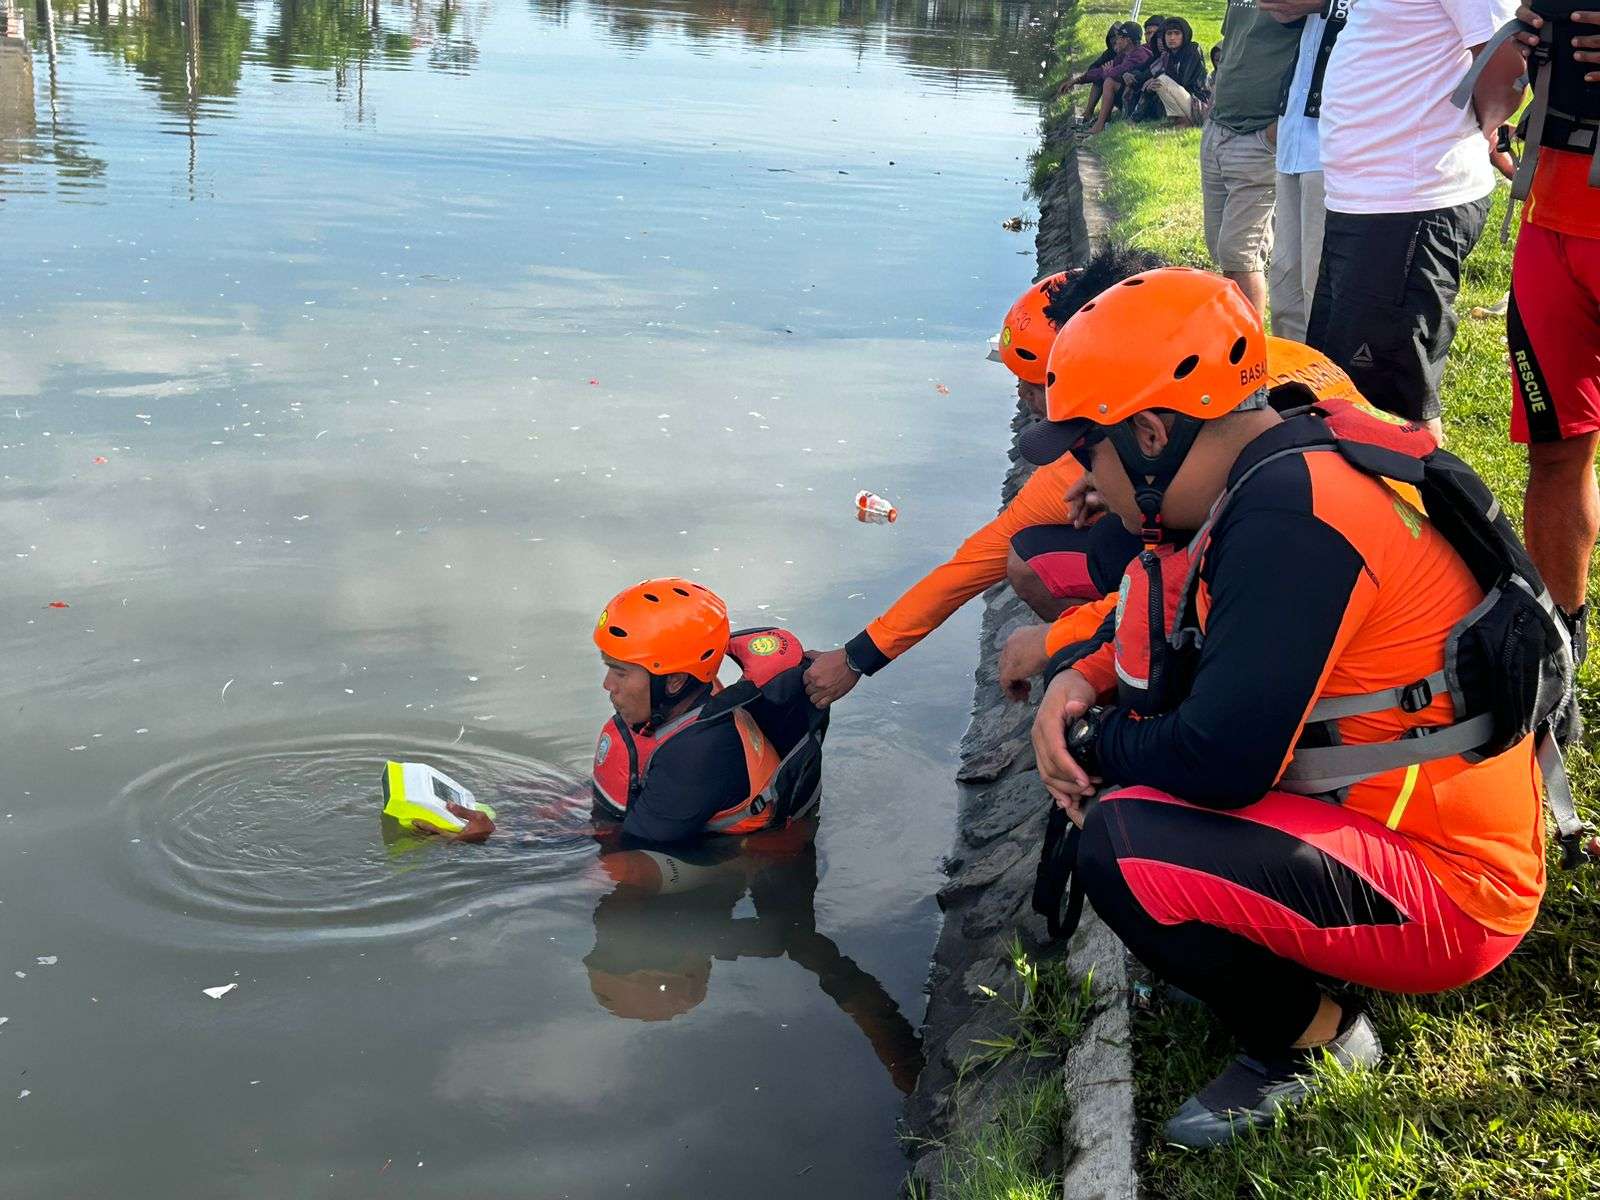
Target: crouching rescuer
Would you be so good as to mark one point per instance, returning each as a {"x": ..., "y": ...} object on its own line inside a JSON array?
[
  {"x": 1323, "y": 739},
  {"x": 684, "y": 755}
]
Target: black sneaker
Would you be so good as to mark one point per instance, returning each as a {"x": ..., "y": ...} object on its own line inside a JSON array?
[{"x": 1250, "y": 1091}]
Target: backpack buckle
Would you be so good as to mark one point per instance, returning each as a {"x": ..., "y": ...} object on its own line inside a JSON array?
[{"x": 1416, "y": 696}]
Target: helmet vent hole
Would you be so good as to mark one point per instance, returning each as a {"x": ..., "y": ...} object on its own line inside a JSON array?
[
  {"x": 652, "y": 599},
  {"x": 1089, "y": 307},
  {"x": 1050, "y": 378},
  {"x": 1132, "y": 282},
  {"x": 708, "y": 654},
  {"x": 1237, "y": 352},
  {"x": 680, "y": 591},
  {"x": 1186, "y": 366},
  {"x": 617, "y": 631},
  {"x": 1026, "y": 355}
]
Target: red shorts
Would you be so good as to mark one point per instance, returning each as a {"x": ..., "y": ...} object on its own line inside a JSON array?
[
  {"x": 1077, "y": 564},
  {"x": 1553, "y": 335}
]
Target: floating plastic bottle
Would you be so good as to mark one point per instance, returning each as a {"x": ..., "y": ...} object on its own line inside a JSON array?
[{"x": 874, "y": 508}]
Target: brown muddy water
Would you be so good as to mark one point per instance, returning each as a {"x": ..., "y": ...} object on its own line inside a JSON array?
[{"x": 351, "y": 355}]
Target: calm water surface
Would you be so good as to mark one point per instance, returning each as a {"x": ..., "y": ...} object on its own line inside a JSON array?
[{"x": 351, "y": 355}]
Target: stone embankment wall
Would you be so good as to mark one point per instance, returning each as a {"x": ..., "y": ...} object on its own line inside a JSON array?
[{"x": 986, "y": 901}]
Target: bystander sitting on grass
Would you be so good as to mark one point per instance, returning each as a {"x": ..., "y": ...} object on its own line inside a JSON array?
[
  {"x": 1131, "y": 55},
  {"x": 1176, "y": 86}
]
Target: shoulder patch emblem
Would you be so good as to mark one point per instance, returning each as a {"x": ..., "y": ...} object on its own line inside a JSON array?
[
  {"x": 765, "y": 645},
  {"x": 602, "y": 748}
]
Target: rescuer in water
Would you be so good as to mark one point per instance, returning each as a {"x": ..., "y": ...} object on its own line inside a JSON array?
[{"x": 683, "y": 755}]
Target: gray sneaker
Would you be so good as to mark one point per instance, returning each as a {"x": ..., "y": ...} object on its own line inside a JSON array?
[{"x": 1250, "y": 1091}]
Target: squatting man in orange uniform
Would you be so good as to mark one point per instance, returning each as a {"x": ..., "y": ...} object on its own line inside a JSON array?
[{"x": 1310, "y": 656}]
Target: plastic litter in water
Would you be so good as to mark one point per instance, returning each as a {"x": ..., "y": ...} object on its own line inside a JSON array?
[
  {"x": 46, "y": 960},
  {"x": 58, "y": 604},
  {"x": 100, "y": 460},
  {"x": 25, "y": 1093},
  {"x": 217, "y": 993}
]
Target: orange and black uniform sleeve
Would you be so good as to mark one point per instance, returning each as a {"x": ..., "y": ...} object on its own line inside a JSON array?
[
  {"x": 978, "y": 562},
  {"x": 1285, "y": 591}
]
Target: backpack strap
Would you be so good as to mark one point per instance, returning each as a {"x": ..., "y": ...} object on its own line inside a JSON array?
[
  {"x": 1410, "y": 697},
  {"x": 1318, "y": 769},
  {"x": 1570, "y": 827}
]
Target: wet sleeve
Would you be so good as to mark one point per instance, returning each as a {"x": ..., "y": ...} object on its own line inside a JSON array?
[
  {"x": 692, "y": 777},
  {"x": 1278, "y": 621},
  {"x": 978, "y": 562}
]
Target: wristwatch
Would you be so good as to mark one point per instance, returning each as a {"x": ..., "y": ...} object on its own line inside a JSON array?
[
  {"x": 849, "y": 662},
  {"x": 1083, "y": 739}
]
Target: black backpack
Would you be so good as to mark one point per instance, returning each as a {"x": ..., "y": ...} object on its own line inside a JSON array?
[{"x": 1565, "y": 113}]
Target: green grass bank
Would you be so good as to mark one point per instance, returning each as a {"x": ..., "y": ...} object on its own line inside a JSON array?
[{"x": 1491, "y": 1091}]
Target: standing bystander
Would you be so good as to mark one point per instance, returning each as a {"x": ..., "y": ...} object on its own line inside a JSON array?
[
  {"x": 1297, "y": 226},
  {"x": 1553, "y": 334},
  {"x": 1408, "y": 182},
  {"x": 1238, "y": 170}
]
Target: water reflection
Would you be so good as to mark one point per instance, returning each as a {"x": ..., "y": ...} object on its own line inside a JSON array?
[
  {"x": 671, "y": 915},
  {"x": 201, "y": 58}
]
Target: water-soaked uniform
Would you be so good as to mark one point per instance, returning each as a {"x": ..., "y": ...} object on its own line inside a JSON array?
[{"x": 748, "y": 758}]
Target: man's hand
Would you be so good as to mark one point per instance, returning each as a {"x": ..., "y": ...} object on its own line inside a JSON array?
[
  {"x": 1286, "y": 11},
  {"x": 1585, "y": 47},
  {"x": 1083, "y": 502},
  {"x": 829, "y": 677},
  {"x": 1022, "y": 658},
  {"x": 1067, "y": 698},
  {"x": 1500, "y": 159},
  {"x": 1127, "y": 78},
  {"x": 478, "y": 827}
]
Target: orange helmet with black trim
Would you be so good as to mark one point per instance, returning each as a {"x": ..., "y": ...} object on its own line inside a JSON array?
[
  {"x": 666, "y": 626},
  {"x": 1027, "y": 333}
]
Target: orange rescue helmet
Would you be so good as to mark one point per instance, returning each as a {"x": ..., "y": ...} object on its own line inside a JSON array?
[
  {"x": 1027, "y": 333},
  {"x": 1174, "y": 339},
  {"x": 666, "y": 626}
]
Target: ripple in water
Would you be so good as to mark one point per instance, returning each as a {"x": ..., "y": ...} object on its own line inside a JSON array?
[{"x": 286, "y": 837}]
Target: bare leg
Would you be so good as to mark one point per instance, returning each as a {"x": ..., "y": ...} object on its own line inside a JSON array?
[
  {"x": 1561, "y": 515},
  {"x": 1031, "y": 588},
  {"x": 1108, "y": 97}
]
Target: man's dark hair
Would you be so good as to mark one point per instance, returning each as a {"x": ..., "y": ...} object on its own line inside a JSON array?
[
  {"x": 1153, "y": 20},
  {"x": 1131, "y": 30},
  {"x": 1109, "y": 265}
]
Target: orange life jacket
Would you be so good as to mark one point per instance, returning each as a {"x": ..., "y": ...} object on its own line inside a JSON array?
[{"x": 622, "y": 755}]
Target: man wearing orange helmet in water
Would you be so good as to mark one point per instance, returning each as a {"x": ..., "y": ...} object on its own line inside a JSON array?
[{"x": 684, "y": 755}]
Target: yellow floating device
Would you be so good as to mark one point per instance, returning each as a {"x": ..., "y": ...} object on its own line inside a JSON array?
[{"x": 417, "y": 794}]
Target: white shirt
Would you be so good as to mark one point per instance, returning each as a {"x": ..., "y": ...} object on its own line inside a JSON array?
[
  {"x": 1297, "y": 133},
  {"x": 1391, "y": 140}
]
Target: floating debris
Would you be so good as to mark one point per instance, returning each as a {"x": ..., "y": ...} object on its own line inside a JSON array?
[
  {"x": 58, "y": 604},
  {"x": 100, "y": 460},
  {"x": 217, "y": 993},
  {"x": 46, "y": 960}
]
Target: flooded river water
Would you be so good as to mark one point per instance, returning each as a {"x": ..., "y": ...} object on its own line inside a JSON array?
[{"x": 351, "y": 356}]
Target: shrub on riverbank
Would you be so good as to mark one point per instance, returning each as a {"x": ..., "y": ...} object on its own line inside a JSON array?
[{"x": 1489, "y": 1091}]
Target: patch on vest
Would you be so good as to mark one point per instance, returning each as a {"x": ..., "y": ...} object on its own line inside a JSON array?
[
  {"x": 602, "y": 748},
  {"x": 766, "y": 644},
  {"x": 1122, "y": 600},
  {"x": 1412, "y": 521}
]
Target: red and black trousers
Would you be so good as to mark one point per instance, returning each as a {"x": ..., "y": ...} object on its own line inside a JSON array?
[{"x": 1249, "y": 909}]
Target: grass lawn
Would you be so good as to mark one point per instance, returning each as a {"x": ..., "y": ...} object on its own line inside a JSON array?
[{"x": 1491, "y": 1091}]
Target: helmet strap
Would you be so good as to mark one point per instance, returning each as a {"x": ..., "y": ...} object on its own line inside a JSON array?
[
  {"x": 1152, "y": 475},
  {"x": 662, "y": 703}
]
